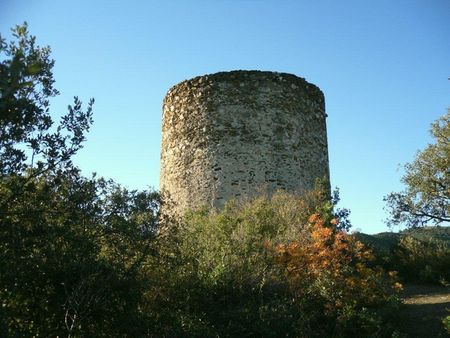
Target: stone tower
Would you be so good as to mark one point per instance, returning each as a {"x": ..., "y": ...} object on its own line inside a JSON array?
[{"x": 234, "y": 134}]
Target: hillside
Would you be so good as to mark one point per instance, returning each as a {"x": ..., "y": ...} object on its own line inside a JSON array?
[
  {"x": 383, "y": 242},
  {"x": 419, "y": 255}
]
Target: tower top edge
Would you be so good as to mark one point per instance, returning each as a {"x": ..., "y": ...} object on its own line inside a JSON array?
[{"x": 245, "y": 76}]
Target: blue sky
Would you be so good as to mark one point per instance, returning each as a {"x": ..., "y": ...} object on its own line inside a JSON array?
[{"x": 382, "y": 65}]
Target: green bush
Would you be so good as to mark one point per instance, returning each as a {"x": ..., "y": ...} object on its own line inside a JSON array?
[
  {"x": 422, "y": 260},
  {"x": 266, "y": 268},
  {"x": 446, "y": 322}
]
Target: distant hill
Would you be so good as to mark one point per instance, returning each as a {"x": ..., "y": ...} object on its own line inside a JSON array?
[
  {"x": 438, "y": 233},
  {"x": 380, "y": 243},
  {"x": 383, "y": 242},
  {"x": 419, "y": 254}
]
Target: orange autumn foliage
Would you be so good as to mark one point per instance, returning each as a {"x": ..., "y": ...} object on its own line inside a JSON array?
[{"x": 336, "y": 266}]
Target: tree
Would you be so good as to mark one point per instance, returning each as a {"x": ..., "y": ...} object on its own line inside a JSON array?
[
  {"x": 71, "y": 247},
  {"x": 26, "y": 84},
  {"x": 426, "y": 198}
]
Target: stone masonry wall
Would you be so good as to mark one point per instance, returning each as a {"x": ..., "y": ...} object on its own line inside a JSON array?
[{"x": 234, "y": 134}]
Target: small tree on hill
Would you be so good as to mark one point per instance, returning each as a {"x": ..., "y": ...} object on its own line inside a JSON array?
[{"x": 426, "y": 198}]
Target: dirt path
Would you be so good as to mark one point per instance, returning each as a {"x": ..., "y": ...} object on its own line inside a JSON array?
[{"x": 425, "y": 306}]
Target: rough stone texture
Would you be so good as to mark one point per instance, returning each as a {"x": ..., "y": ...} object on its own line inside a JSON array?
[{"x": 234, "y": 134}]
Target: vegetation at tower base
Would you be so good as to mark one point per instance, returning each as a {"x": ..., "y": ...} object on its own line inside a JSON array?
[
  {"x": 270, "y": 267},
  {"x": 426, "y": 199}
]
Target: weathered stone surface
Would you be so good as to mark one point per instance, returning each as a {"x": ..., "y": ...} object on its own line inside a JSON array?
[{"x": 234, "y": 134}]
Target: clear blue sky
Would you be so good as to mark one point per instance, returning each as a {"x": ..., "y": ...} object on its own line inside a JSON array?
[{"x": 382, "y": 65}]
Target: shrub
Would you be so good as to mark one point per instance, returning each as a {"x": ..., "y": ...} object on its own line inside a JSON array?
[
  {"x": 446, "y": 322},
  {"x": 266, "y": 267},
  {"x": 334, "y": 272},
  {"x": 426, "y": 260}
]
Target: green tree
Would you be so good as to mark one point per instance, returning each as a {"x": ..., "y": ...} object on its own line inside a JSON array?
[
  {"x": 426, "y": 198},
  {"x": 27, "y": 140},
  {"x": 71, "y": 247}
]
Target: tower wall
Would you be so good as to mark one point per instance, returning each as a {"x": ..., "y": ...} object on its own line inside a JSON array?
[{"x": 234, "y": 134}]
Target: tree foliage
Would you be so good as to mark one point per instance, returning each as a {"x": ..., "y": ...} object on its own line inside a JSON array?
[
  {"x": 426, "y": 199},
  {"x": 71, "y": 247},
  {"x": 26, "y": 85}
]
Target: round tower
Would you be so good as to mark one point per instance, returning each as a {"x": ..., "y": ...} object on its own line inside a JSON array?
[{"x": 239, "y": 133}]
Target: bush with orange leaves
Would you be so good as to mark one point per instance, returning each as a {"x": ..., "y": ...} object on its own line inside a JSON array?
[{"x": 335, "y": 272}]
